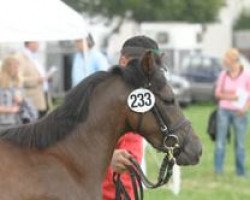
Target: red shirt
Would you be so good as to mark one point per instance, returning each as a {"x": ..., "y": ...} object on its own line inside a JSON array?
[{"x": 132, "y": 143}]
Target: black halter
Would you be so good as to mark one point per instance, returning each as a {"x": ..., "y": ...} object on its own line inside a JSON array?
[
  {"x": 170, "y": 139},
  {"x": 170, "y": 145}
]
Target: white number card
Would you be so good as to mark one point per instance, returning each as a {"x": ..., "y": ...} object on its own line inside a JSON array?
[{"x": 141, "y": 100}]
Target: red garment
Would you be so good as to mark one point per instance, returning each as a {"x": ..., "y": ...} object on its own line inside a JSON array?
[{"x": 132, "y": 143}]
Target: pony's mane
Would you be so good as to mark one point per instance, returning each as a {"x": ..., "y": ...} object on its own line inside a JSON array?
[
  {"x": 60, "y": 122},
  {"x": 75, "y": 108}
]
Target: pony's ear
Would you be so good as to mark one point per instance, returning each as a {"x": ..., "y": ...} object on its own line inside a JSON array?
[{"x": 148, "y": 62}]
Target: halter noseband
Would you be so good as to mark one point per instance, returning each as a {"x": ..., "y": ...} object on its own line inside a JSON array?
[
  {"x": 170, "y": 139},
  {"x": 169, "y": 144}
]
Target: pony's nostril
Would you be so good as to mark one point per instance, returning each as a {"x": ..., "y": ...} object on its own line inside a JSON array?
[
  {"x": 198, "y": 156},
  {"x": 200, "y": 150}
]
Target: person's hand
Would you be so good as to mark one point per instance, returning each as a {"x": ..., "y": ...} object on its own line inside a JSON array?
[
  {"x": 120, "y": 160},
  {"x": 14, "y": 109},
  {"x": 231, "y": 96},
  {"x": 243, "y": 111},
  {"x": 18, "y": 99}
]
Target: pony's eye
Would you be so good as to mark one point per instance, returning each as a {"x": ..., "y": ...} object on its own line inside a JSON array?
[{"x": 169, "y": 101}]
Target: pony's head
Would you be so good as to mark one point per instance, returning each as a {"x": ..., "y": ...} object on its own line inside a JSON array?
[{"x": 154, "y": 113}]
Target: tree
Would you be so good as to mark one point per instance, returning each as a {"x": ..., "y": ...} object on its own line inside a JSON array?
[
  {"x": 196, "y": 11},
  {"x": 242, "y": 22},
  {"x": 152, "y": 10}
]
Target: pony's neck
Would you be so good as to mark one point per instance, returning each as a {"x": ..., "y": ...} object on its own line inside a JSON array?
[{"x": 92, "y": 144}]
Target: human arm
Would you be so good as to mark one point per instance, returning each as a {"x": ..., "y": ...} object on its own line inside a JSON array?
[
  {"x": 246, "y": 95},
  {"x": 9, "y": 100},
  {"x": 77, "y": 73},
  {"x": 101, "y": 62},
  {"x": 131, "y": 143},
  {"x": 129, "y": 146},
  {"x": 30, "y": 76},
  {"x": 33, "y": 81},
  {"x": 120, "y": 159},
  {"x": 244, "y": 109},
  {"x": 9, "y": 109},
  {"x": 223, "y": 95},
  {"x": 220, "y": 92}
]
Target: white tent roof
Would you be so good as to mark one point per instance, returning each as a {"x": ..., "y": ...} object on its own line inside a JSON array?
[{"x": 39, "y": 20}]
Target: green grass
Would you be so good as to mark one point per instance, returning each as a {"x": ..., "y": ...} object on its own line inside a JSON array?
[{"x": 199, "y": 182}]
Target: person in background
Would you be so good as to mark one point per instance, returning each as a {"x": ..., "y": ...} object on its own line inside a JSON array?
[
  {"x": 233, "y": 94},
  {"x": 10, "y": 92},
  {"x": 34, "y": 77},
  {"x": 131, "y": 144},
  {"x": 87, "y": 60}
]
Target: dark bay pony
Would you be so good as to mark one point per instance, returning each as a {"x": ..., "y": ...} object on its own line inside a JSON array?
[{"x": 64, "y": 156}]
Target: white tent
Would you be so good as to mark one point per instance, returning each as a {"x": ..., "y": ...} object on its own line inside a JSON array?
[{"x": 39, "y": 20}]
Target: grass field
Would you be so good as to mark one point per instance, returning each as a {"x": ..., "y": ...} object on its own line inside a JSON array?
[{"x": 199, "y": 182}]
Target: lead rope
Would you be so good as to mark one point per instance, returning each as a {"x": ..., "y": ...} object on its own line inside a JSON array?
[{"x": 138, "y": 178}]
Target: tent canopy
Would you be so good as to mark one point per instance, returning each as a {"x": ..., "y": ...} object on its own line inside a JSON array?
[{"x": 39, "y": 20}]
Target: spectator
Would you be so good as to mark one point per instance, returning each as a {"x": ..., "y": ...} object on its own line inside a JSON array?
[
  {"x": 34, "y": 77},
  {"x": 10, "y": 92},
  {"x": 233, "y": 92},
  {"x": 129, "y": 145},
  {"x": 87, "y": 60}
]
